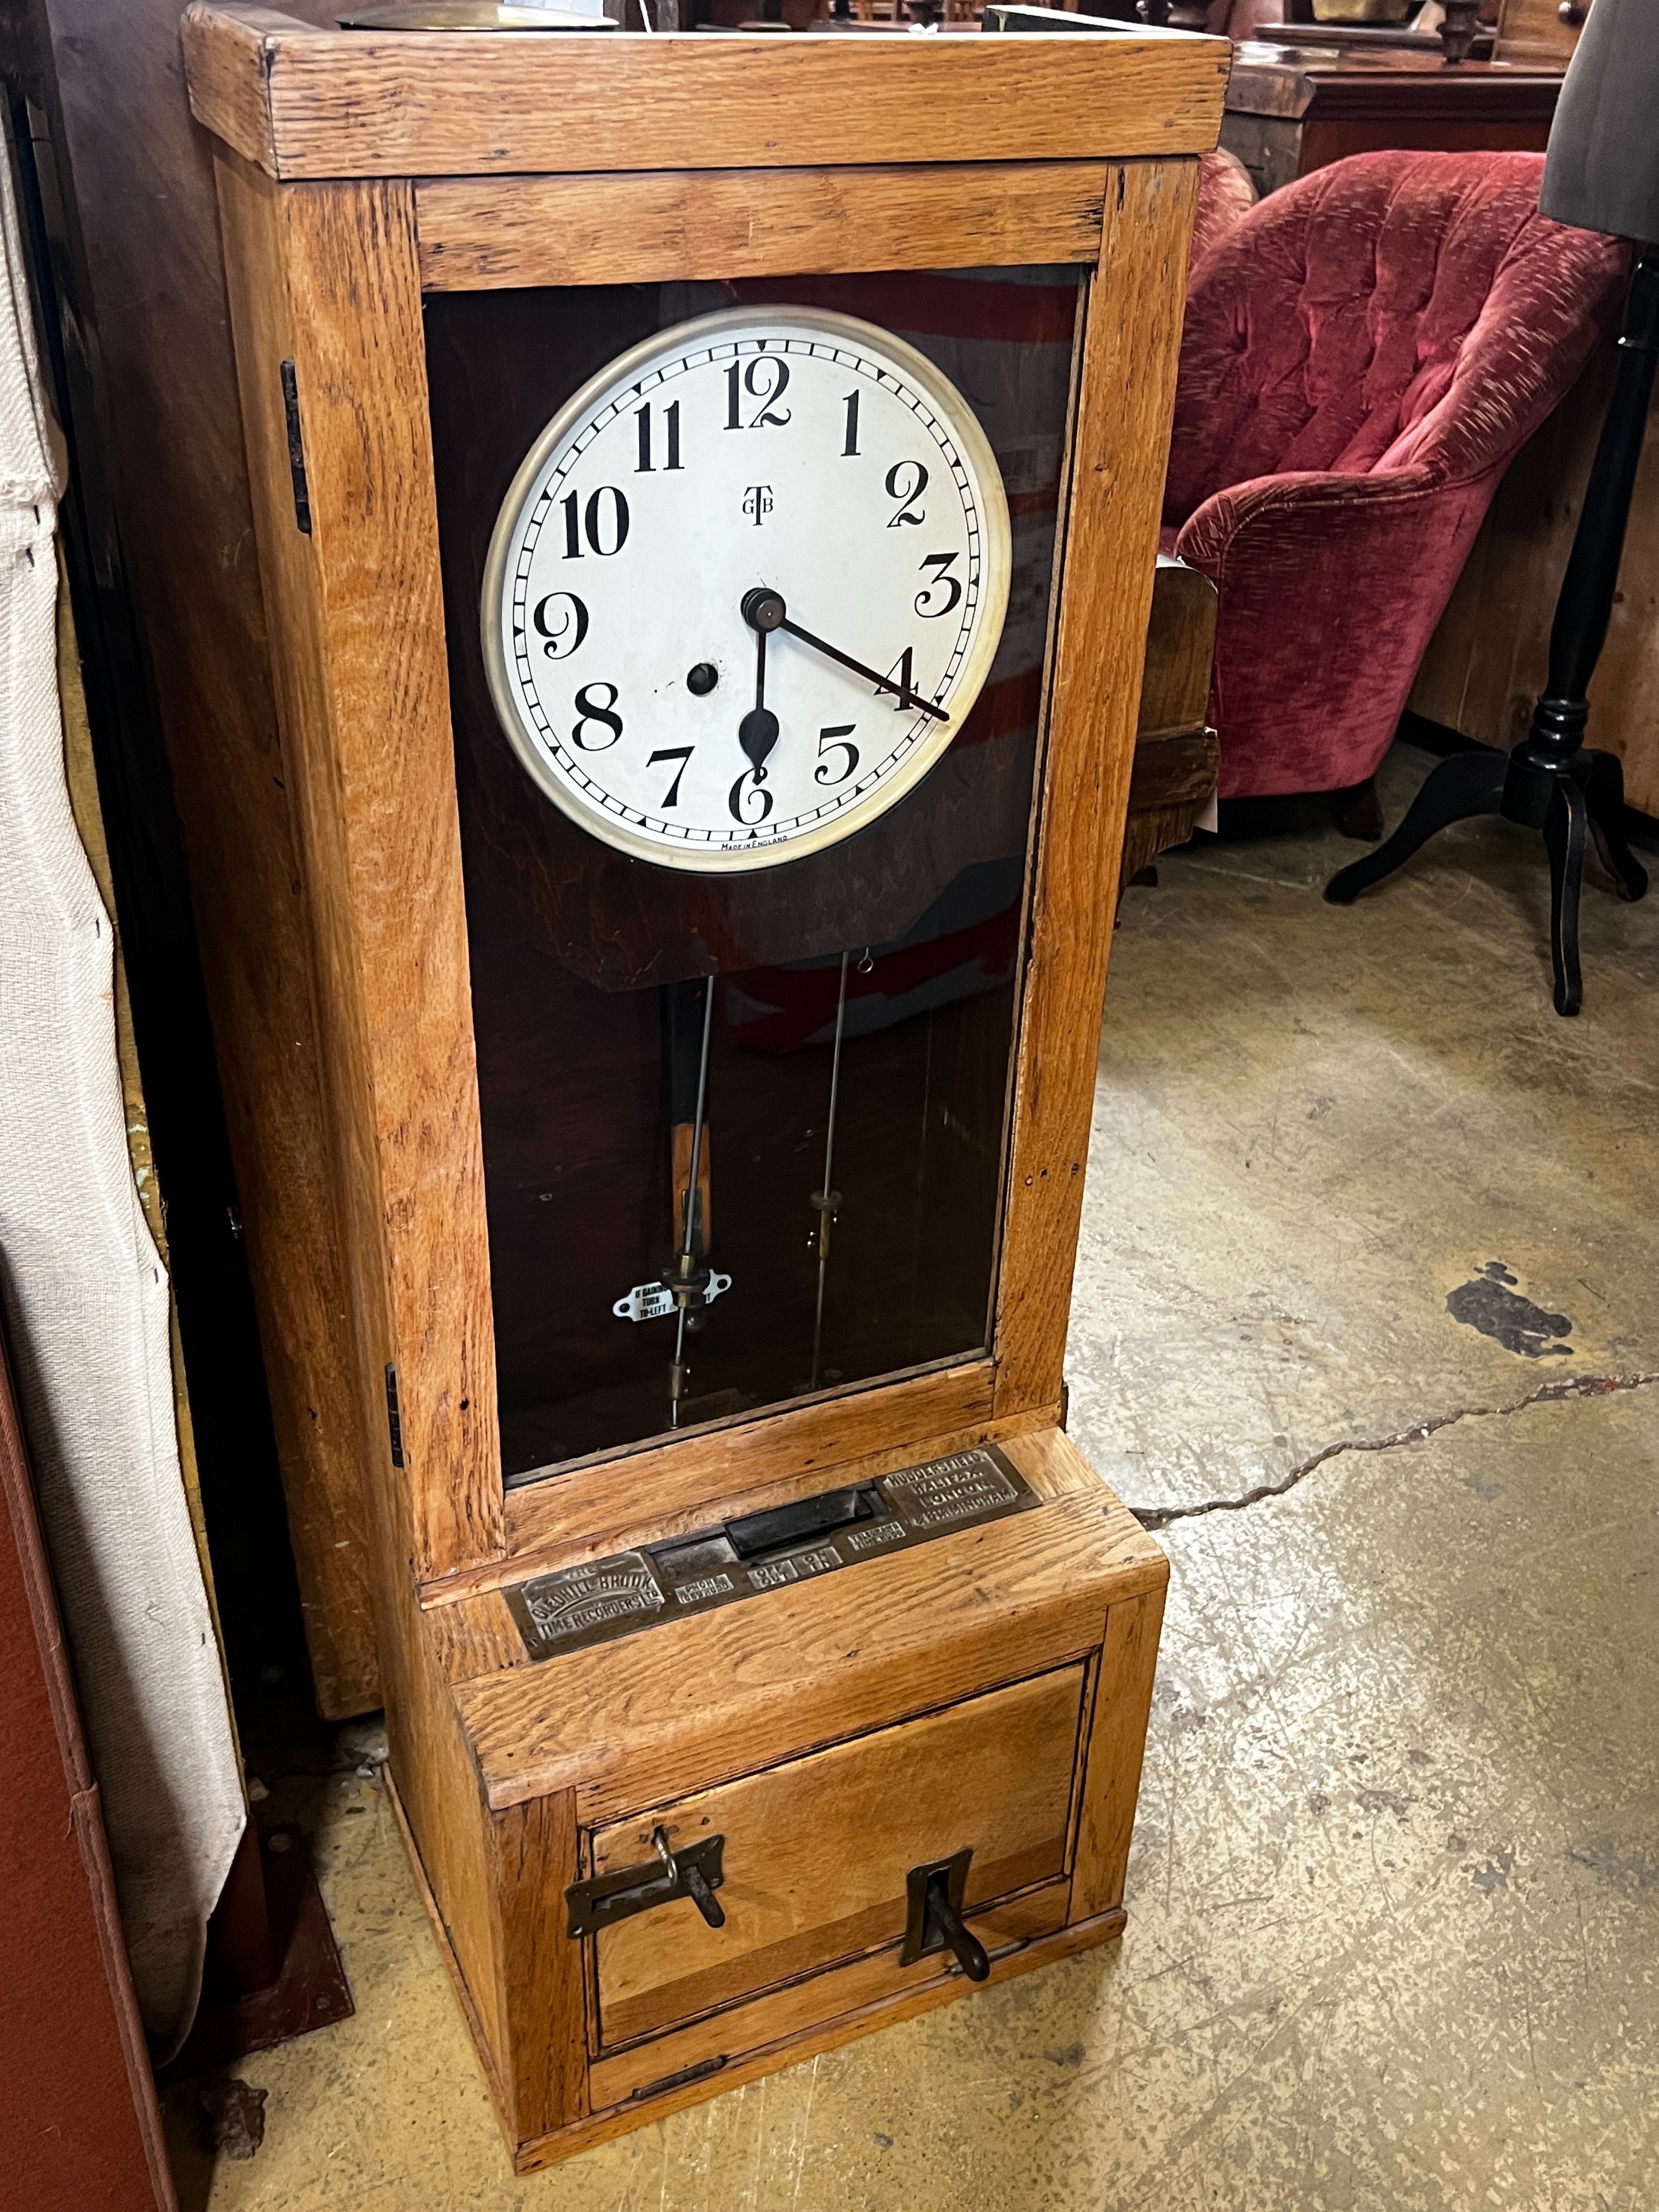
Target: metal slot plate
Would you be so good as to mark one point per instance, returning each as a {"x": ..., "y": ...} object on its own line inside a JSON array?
[{"x": 631, "y": 1590}]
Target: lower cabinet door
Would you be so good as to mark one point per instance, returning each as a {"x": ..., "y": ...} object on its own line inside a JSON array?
[{"x": 817, "y": 1852}]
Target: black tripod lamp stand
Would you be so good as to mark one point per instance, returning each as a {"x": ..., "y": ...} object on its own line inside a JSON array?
[{"x": 1601, "y": 173}]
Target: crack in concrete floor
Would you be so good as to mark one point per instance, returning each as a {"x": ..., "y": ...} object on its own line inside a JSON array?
[
  {"x": 1310, "y": 1132},
  {"x": 1155, "y": 1517}
]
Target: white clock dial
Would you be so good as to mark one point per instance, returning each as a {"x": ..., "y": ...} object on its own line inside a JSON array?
[{"x": 688, "y": 549}]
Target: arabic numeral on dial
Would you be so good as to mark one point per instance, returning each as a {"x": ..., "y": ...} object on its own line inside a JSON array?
[
  {"x": 670, "y": 419},
  {"x": 561, "y": 619},
  {"x": 765, "y": 379},
  {"x": 901, "y": 680},
  {"x": 906, "y": 482},
  {"x": 834, "y": 740},
  {"x": 680, "y": 753},
  {"x": 941, "y": 564},
  {"x": 849, "y": 450},
  {"x": 750, "y": 786},
  {"x": 595, "y": 522},
  {"x": 600, "y": 712}
]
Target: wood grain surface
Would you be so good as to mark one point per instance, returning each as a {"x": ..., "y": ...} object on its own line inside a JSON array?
[
  {"x": 1406, "y": 88},
  {"x": 1177, "y": 755},
  {"x": 228, "y": 62},
  {"x": 483, "y": 2038},
  {"x": 1106, "y": 1820},
  {"x": 803, "y": 2030},
  {"x": 650, "y": 227},
  {"x": 474, "y": 1633},
  {"x": 1175, "y": 685},
  {"x": 1538, "y": 33},
  {"x": 1175, "y": 779},
  {"x": 764, "y": 2020},
  {"x": 818, "y": 2014},
  {"x": 816, "y": 1851},
  {"x": 669, "y": 1487},
  {"x": 355, "y": 606},
  {"x": 545, "y": 2068},
  {"x": 1172, "y": 771},
  {"x": 695, "y": 1702},
  {"x": 305, "y": 104},
  {"x": 478, "y": 1637},
  {"x": 1125, "y": 401},
  {"x": 275, "y": 319}
]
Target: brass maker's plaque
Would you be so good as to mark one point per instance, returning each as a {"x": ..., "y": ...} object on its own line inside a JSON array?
[
  {"x": 579, "y": 1601},
  {"x": 630, "y": 1590}
]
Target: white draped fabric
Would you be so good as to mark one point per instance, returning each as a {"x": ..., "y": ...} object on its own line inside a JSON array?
[{"x": 84, "y": 1291}]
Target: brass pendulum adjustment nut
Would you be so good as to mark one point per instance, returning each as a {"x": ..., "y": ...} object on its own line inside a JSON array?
[
  {"x": 825, "y": 1204},
  {"x": 686, "y": 1279}
]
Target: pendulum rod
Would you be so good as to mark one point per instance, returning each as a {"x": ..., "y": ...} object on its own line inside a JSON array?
[
  {"x": 688, "y": 1274},
  {"x": 829, "y": 1199}
]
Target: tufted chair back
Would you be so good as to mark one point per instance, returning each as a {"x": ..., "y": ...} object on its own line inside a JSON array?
[
  {"x": 1395, "y": 311},
  {"x": 1364, "y": 353}
]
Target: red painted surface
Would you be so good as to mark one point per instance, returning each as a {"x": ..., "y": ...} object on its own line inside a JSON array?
[{"x": 79, "y": 2128}]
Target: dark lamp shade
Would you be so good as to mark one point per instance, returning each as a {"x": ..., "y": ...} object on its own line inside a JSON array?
[{"x": 1603, "y": 169}]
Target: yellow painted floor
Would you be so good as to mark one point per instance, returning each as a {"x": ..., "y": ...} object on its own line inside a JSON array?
[{"x": 1394, "y": 1937}]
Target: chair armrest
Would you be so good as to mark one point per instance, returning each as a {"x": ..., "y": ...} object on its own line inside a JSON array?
[
  {"x": 1330, "y": 587},
  {"x": 1321, "y": 506}
]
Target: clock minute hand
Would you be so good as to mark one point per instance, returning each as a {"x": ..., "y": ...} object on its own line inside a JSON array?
[{"x": 766, "y": 610}]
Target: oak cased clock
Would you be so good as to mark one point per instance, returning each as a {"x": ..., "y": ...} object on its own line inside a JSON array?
[{"x": 706, "y": 521}]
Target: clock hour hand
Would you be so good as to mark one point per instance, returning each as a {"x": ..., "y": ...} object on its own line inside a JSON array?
[
  {"x": 765, "y": 611},
  {"x": 757, "y": 733}
]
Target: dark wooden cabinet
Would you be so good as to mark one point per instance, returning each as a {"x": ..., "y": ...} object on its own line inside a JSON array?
[{"x": 1293, "y": 109}]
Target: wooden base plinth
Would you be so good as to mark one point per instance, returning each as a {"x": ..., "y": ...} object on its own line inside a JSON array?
[
  {"x": 806, "y": 2042},
  {"x": 985, "y": 1691}
]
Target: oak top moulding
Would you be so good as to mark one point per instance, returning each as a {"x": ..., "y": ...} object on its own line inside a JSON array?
[{"x": 304, "y": 103}]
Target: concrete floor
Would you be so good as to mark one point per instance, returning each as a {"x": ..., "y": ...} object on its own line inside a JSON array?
[{"x": 1394, "y": 1935}]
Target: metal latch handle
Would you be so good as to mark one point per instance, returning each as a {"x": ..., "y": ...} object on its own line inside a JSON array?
[
  {"x": 947, "y": 1925},
  {"x": 935, "y": 1921},
  {"x": 694, "y": 1871}
]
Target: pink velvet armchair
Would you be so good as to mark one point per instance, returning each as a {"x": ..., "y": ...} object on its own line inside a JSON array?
[{"x": 1363, "y": 354}]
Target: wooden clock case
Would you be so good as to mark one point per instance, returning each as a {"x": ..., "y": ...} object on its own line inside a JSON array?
[{"x": 985, "y": 1692}]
